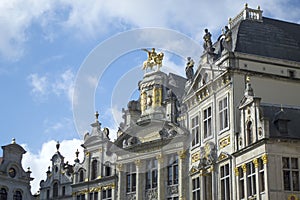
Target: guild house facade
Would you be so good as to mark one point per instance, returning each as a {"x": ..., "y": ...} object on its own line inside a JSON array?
[{"x": 229, "y": 130}]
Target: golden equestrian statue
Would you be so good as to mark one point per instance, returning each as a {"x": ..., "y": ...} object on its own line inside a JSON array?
[{"x": 154, "y": 59}]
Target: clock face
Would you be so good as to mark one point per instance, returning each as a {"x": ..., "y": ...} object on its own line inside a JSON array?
[{"x": 12, "y": 172}]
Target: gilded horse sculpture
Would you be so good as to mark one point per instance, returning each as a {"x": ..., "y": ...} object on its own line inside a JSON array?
[{"x": 154, "y": 59}]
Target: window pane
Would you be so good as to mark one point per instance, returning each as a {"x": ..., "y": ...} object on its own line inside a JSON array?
[
  {"x": 285, "y": 162},
  {"x": 286, "y": 180},
  {"x": 295, "y": 177}
]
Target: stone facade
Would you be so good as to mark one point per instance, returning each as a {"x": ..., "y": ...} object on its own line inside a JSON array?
[
  {"x": 222, "y": 133},
  {"x": 14, "y": 180}
]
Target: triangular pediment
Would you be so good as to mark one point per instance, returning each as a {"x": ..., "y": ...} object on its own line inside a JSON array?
[
  {"x": 193, "y": 170},
  {"x": 223, "y": 156}
]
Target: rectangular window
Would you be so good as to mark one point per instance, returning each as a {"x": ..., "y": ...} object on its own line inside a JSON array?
[
  {"x": 131, "y": 178},
  {"x": 290, "y": 174},
  {"x": 106, "y": 194},
  {"x": 223, "y": 114},
  {"x": 173, "y": 171},
  {"x": 225, "y": 182},
  {"x": 151, "y": 174},
  {"x": 261, "y": 176},
  {"x": 241, "y": 183},
  {"x": 207, "y": 122},
  {"x": 251, "y": 179},
  {"x": 195, "y": 131},
  {"x": 196, "y": 188}
]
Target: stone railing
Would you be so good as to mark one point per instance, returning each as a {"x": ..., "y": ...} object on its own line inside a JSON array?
[
  {"x": 247, "y": 13},
  {"x": 131, "y": 196},
  {"x": 151, "y": 194}
]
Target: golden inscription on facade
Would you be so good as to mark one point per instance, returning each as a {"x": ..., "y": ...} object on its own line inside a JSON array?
[
  {"x": 195, "y": 157},
  {"x": 224, "y": 142}
]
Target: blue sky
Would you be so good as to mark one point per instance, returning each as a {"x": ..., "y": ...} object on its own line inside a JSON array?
[{"x": 44, "y": 44}]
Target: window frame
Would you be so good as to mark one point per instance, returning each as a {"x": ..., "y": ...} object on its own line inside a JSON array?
[
  {"x": 196, "y": 189},
  {"x": 207, "y": 121},
  {"x": 195, "y": 126},
  {"x": 290, "y": 172},
  {"x": 225, "y": 181},
  {"x": 151, "y": 175},
  {"x": 172, "y": 170},
  {"x": 251, "y": 180},
  {"x": 131, "y": 178},
  {"x": 221, "y": 114}
]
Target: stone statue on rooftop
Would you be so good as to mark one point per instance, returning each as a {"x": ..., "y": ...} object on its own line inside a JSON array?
[
  {"x": 154, "y": 59},
  {"x": 207, "y": 41},
  {"x": 227, "y": 39},
  {"x": 189, "y": 69}
]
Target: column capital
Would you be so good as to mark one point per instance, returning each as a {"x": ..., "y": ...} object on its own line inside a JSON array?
[
  {"x": 244, "y": 167},
  {"x": 182, "y": 154},
  {"x": 255, "y": 162},
  {"x": 120, "y": 167},
  {"x": 138, "y": 163},
  {"x": 264, "y": 158},
  {"x": 236, "y": 170},
  {"x": 160, "y": 158}
]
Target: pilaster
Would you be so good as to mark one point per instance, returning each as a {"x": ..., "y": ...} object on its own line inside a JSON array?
[
  {"x": 121, "y": 182},
  {"x": 160, "y": 177},
  {"x": 140, "y": 179},
  {"x": 182, "y": 181}
]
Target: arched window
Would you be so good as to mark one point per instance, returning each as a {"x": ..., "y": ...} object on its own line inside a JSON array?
[
  {"x": 81, "y": 175},
  {"x": 94, "y": 169},
  {"x": 3, "y": 194},
  {"x": 17, "y": 195},
  {"x": 55, "y": 189},
  {"x": 249, "y": 133}
]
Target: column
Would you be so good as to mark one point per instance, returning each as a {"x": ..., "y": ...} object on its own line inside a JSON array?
[
  {"x": 121, "y": 182},
  {"x": 160, "y": 177},
  {"x": 182, "y": 175},
  {"x": 255, "y": 162},
  {"x": 214, "y": 182},
  {"x": 265, "y": 162},
  {"x": 113, "y": 191},
  {"x": 244, "y": 167},
  {"x": 140, "y": 179},
  {"x": 237, "y": 185},
  {"x": 202, "y": 184}
]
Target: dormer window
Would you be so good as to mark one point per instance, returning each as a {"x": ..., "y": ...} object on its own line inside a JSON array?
[{"x": 282, "y": 126}]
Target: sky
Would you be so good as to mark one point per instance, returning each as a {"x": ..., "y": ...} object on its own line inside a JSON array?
[{"x": 60, "y": 61}]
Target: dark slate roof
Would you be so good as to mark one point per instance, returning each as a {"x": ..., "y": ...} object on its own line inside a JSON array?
[
  {"x": 269, "y": 38},
  {"x": 289, "y": 114}
]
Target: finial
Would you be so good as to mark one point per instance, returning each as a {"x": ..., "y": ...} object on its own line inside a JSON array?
[
  {"x": 96, "y": 115},
  {"x": 229, "y": 19},
  {"x": 246, "y": 5},
  {"x": 248, "y": 79},
  {"x": 76, "y": 153},
  {"x": 281, "y": 108},
  {"x": 48, "y": 172},
  {"x": 13, "y": 141},
  {"x": 57, "y": 145},
  {"x": 258, "y": 7},
  {"x": 28, "y": 170}
]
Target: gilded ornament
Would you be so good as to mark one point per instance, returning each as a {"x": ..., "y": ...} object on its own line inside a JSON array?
[
  {"x": 264, "y": 158},
  {"x": 244, "y": 167},
  {"x": 236, "y": 170},
  {"x": 255, "y": 162}
]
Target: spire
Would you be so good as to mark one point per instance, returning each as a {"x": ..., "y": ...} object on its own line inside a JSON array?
[
  {"x": 96, "y": 116},
  {"x": 249, "y": 89},
  {"x": 76, "y": 153},
  {"x": 57, "y": 146}
]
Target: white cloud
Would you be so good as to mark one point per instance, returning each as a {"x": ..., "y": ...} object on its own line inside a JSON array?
[
  {"x": 44, "y": 85},
  {"x": 90, "y": 19},
  {"x": 39, "y": 162},
  {"x": 64, "y": 84},
  {"x": 38, "y": 83}
]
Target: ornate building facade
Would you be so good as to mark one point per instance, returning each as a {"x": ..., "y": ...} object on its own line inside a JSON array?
[
  {"x": 14, "y": 180},
  {"x": 228, "y": 131}
]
